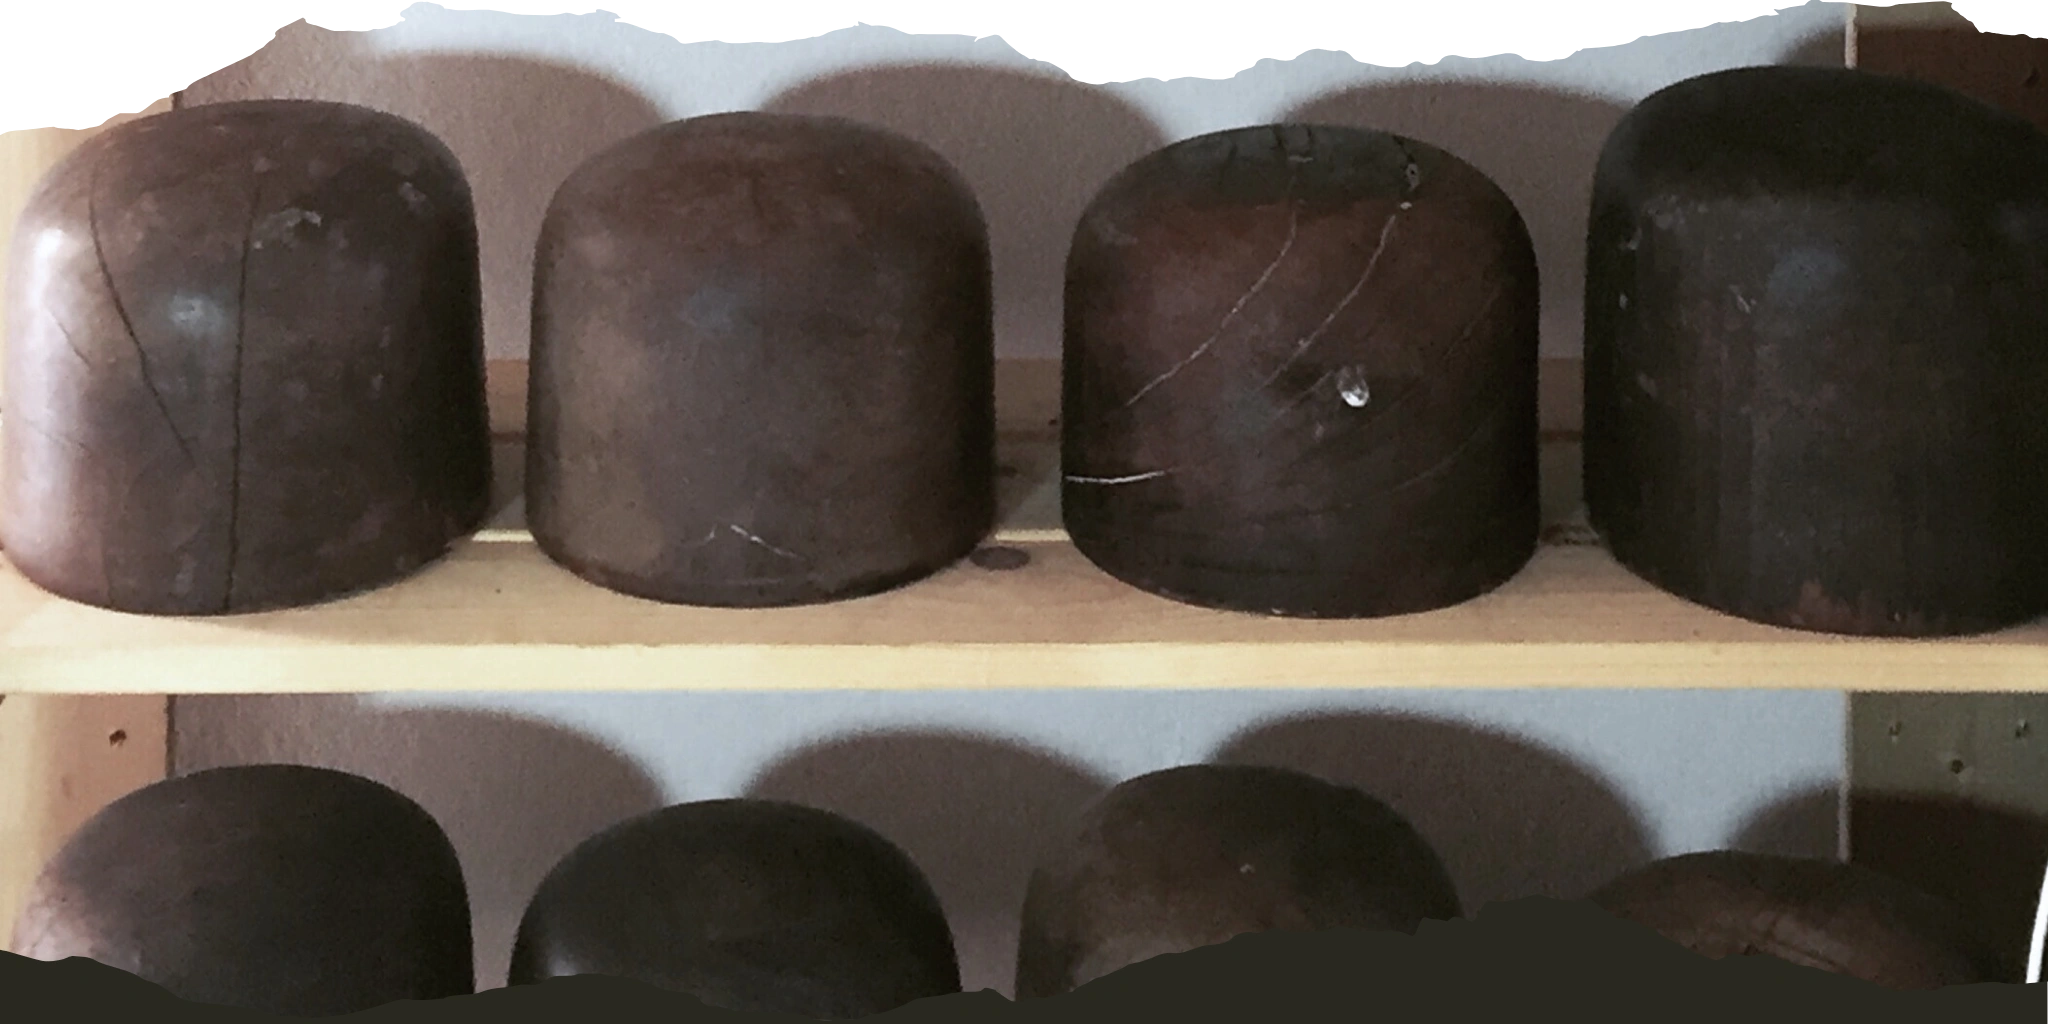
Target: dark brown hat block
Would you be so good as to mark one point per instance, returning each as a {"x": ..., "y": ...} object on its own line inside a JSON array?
[
  {"x": 763, "y": 364},
  {"x": 1194, "y": 856},
  {"x": 290, "y": 890},
  {"x": 244, "y": 361},
  {"x": 750, "y": 905},
  {"x": 1817, "y": 352},
  {"x": 1300, "y": 375},
  {"x": 1814, "y": 913}
]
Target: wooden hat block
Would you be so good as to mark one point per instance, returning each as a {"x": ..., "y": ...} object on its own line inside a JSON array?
[
  {"x": 750, "y": 905},
  {"x": 290, "y": 890},
  {"x": 244, "y": 361}
]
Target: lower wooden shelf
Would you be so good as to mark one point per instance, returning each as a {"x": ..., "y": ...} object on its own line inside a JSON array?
[{"x": 495, "y": 614}]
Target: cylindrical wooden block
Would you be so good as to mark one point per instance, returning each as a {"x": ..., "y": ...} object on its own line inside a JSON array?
[
  {"x": 763, "y": 364},
  {"x": 1817, "y": 352},
  {"x": 1300, "y": 375},
  {"x": 245, "y": 366},
  {"x": 1194, "y": 856},
  {"x": 285, "y": 889},
  {"x": 1814, "y": 913},
  {"x": 751, "y": 905}
]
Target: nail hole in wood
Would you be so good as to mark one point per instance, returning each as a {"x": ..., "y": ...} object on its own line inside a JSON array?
[
  {"x": 1894, "y": 729},
  {"x": 1000, "y": 559},
  {"x": 1956, "y": 766},
  {"x": 2023, "y": 730},
  {"x": 117, "y": 737}
]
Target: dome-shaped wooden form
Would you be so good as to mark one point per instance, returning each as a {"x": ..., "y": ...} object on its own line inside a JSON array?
[
  {"x": 1300, "y": 375},
  {"x": 1817, "y": 352},
  {"x": 750, "y": 905},
  {"x": 290, "y": 890},
  {"x": 763, "y": 364},
  {"x": 1814, "y": 913},
  {"x": 1194, "y": 856},
  {"x": 244, "y": 361}
]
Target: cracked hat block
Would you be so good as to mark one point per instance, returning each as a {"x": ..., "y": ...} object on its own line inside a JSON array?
[
  {"x": 751, "y": 905},
  {"x": 1300, "y": 376},
  {"x": 763, "y": 364},
  {"x": 1194, "y": 856},
  {"x": 284, "y": 889},
  {"x": 244, "y": 361},
  {"x": 1813, "y": 913},
  {"x": 1817, "y": 352}
]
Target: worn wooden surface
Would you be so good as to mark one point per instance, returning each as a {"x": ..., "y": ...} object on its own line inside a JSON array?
[
  {"x": 1259, "y": 415},
  {"x": 762, "y": 364},
  {"x": 245, "y": 361},
  {"x": 1812, "y": 373}
]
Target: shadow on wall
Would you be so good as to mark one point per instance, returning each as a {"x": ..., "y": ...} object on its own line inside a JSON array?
[
  {"x": 1510, "y": 819},
  {"x": 1805, "y": 824},
  {"x": 1034, "y": 147},
  {"x": 518, "y": 126},
  {"x": 514, "y": 794},
  {"x": 975, "y": 813},
  {"x": 1539, "y": 145}
]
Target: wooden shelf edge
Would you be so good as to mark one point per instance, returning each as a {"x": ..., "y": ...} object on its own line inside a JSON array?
[{"x": 1029, "y": 667}]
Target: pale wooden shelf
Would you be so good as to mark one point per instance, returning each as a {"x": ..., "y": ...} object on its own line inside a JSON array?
[{"x": 497, "y": 615}]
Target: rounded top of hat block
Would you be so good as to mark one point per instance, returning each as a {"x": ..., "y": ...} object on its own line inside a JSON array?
[
  {"x": 244, "y": 361},
  {"x": 1320, "y": 168},
  {"x": 734, "y": 179},
  {"x": 1836, "y": 132},
  {"x": 1816, "y": 913},
  {"x": 1194, "y": 856},
  {"x": 750, "y": 905},
  {"x": 286, "y": 889},
  {"x": 289, "y": 144}
]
